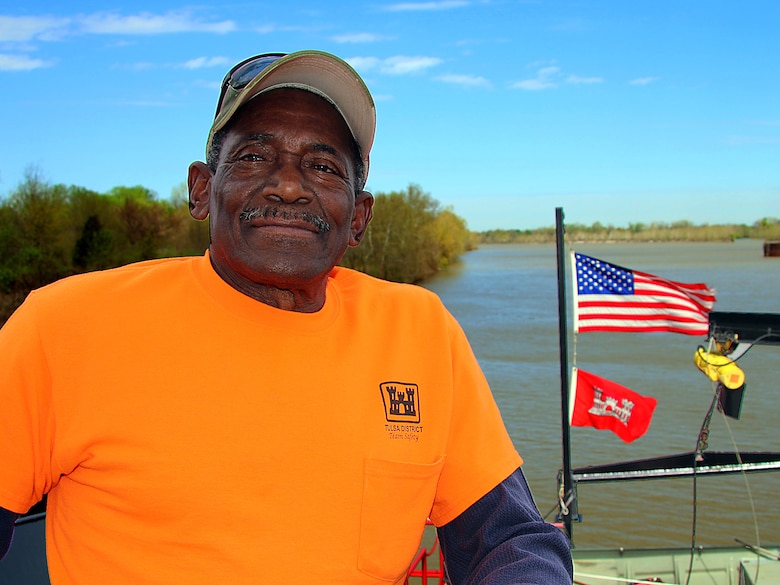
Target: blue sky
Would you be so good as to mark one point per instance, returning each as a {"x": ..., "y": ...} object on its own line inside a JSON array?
[{"x": 618, "y": 111}]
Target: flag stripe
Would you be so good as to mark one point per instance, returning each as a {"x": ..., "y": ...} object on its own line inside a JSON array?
[
  {"x": 608, "y": 297},
  {"x": 643, "y": 327},
  {"x": 637, "y": 303},
  {"x": 618, "y": 312},
  {"x": 601, "y": 317},
  {"x": 699, "y": 286},
  {"x": 704, "y": 301}
]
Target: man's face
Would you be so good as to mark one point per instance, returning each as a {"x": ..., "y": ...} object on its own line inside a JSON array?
[{"x": 282, "y": 202}]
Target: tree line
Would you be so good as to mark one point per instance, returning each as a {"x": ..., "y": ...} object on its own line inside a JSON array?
[
  {"x": 767, "y": 228},
  {"x": 49, "y": 231}
]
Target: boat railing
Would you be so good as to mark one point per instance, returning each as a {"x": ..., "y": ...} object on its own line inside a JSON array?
[{"x": 428, "y": 564}]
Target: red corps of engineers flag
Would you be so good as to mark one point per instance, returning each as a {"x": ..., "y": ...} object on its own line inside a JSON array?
[
  {"x": 608, "y": 297},
  {"x": 603, "y": 404}
]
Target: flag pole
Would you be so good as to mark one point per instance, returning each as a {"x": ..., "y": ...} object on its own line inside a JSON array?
[{"x": 568, "y": 497}]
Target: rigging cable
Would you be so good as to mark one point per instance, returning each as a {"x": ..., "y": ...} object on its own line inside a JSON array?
[
  {"x": 701, "y": 446},
  {"x": 747, "y": 483}
]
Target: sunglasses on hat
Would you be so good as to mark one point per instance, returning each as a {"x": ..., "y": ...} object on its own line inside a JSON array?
[{"x": 240, "y": 76}]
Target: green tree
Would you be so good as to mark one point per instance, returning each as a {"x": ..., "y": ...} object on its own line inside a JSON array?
[
  {"x": 42, "y": 248},
  {"x": 451, "y": 236},
  {"x": 144, "y": 223},
  {"x": 189, "y": 237},
  {"x": 95, "y": 228},
  {"x": 11, "y": 243},
  {"x": 93, "y": 249},
  {"x": 409, "y": 238}
]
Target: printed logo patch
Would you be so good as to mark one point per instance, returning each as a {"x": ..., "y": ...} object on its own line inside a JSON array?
[{"x": 402, "y": 402}]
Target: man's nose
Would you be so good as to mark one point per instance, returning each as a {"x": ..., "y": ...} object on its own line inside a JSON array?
[{"x": 287, "y": 184}]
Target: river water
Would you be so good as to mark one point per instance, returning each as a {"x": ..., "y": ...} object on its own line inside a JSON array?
[{"x": 505, "y": 297}]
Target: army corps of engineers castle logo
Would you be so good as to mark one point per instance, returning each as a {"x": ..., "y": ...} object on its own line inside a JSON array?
[{"x": 402, "y": 402}]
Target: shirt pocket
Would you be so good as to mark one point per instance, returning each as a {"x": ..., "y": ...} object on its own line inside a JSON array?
[{"x": 397, "y": 498}]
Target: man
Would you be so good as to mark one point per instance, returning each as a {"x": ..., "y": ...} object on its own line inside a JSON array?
[{"x": 259, "y": 414}]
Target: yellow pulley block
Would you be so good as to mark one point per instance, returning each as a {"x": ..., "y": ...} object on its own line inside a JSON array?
[{"x": 719, "y": 368}]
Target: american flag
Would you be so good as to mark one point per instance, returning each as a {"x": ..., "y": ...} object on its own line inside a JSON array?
[{"x": 608, "y": 297}]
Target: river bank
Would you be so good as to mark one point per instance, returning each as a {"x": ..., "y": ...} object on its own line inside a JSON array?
[{"x": 681, "y": 231}]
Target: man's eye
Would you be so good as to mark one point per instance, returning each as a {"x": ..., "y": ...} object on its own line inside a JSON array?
[
  {"x": 324, "y": 168},
  {"x": 251, "y": 157}
]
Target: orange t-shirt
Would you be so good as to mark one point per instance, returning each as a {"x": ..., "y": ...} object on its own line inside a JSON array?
[{"x": 186, "y": 433}]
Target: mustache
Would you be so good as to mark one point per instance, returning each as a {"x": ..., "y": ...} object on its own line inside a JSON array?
[{"x": 318, "y": 222}]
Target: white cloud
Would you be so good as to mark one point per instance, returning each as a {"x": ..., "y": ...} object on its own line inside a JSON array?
[
  {"x": 644, "y": 80},
  {"x": 550, "y": 77},
  {"x": 192, "y": 64},
  {"x": 147, "y": 23},
  {"x": 576, "y": 79},
  {"x": 122, "y": 43},
  {"x": 206, "y": 62},
  {"x": 26, "y": 28},
  {"x": 398, "y": 65},
  {"x": 265, "y": 29},
  {"x": 358, "y": 38},
  {"x": 465, "y": 80},
  {"x": 425, "y": 6},
  {"x": 364, "y": 63},
  {"x": 545, "y": 79},
  {"x": 20, "y": 63},
  {"x": 533, "y": 84},
  {"x": 404, "y": 65}
]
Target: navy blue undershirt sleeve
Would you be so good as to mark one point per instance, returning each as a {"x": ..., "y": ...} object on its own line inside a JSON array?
[
  {"x": 502, "y": 539},
  {"x": 7, "y": 519}
]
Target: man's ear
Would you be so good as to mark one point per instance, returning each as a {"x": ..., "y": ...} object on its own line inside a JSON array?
[
  {"x": 364, "y": 211},
  {"x": 199, "y": 184}
]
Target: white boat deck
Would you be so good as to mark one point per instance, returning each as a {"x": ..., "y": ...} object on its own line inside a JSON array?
[{"x": 711, "y": 566}]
